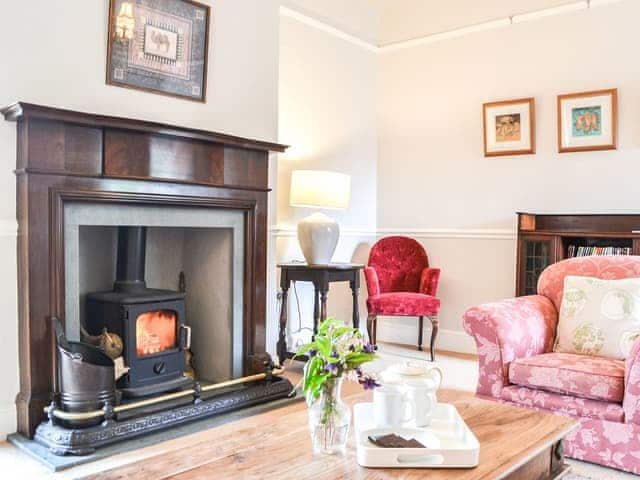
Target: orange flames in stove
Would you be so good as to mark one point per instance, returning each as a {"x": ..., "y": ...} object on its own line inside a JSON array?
[{"x": 156, "y": 332}]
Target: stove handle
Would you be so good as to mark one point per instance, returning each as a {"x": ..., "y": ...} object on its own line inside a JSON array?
[{"x": 186, "y": 338}]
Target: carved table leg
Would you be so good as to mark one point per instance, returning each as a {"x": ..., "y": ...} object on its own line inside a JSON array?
[
  {"x": 420, "y": 328},
  {"x": 316, "y": 310},
  {"x": 323, "y": 304},
  {"x": 282, "y": 334},
  {"x": 434, "y": 334},
  {"x": 355, "y": 317},
  {"x": 372, "y": 321}
]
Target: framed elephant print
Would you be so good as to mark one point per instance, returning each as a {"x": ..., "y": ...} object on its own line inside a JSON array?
[
  {"x": 159, "y": 46},
  {"x": 588, "y": 121}
]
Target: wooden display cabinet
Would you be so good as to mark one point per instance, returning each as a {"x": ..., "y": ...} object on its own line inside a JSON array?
[{"x": 544, "y": 239}]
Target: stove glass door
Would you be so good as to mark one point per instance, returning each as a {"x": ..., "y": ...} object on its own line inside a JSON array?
[{"x": 156, "y": 332}]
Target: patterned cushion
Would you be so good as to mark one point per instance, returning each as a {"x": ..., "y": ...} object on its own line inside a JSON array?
[
  {"x": 596, "y": 378},
  {"x": 599, "y": 317},
  {"x": 403, "y": 303},
  {"x": 568, "y": 406},
  {"x": 551, "y": 282}
]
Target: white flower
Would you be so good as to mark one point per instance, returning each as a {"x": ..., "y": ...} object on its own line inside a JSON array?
[{"x": 347, "y": 343}]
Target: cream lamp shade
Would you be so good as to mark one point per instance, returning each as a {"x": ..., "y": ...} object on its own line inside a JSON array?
[
  {"x": 318, "y": 233},
  {"x": 320, "y": 188}
]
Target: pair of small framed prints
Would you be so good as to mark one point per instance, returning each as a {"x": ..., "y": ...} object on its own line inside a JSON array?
[{"x": 586, "y": 121}]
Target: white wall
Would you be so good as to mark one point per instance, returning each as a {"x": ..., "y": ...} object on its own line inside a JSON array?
[
  {"x": 54, "y": 53},
  {"x": 431, "y": 169},
  {"x": 327, "y": 113}
]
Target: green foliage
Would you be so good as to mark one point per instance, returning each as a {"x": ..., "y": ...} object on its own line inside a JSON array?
[{"x": 334, "y": 351}]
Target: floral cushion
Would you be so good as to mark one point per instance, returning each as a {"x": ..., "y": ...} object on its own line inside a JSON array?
[
  {"x": 599, "y": 317},
  {"x": 566, "y": 405},
  {"x": 595, "y": 378},
  {"x": 551, "y": 281},
  {"x": 403, "y": 303}
]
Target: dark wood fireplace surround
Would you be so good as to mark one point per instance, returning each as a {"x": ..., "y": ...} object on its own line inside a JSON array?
[{"x": 67, "y": 156}]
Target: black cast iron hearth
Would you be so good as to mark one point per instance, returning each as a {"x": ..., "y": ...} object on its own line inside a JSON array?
[
  {"x": 151, "y": 322},
  {"x": 62, "y": 440}
]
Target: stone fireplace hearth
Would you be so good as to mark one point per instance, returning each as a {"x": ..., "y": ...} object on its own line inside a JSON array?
[{"x": 79, "y": 177}]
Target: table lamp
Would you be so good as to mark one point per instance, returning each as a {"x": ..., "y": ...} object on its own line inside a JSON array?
[{"x": 318, "y": 233}]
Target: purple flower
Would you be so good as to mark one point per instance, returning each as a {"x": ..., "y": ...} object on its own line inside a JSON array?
[
  {"x": 334, "y": 354},
  {"x": 352, "y": 348},
  {"x": 368, "y": 348},
  {"x": 331, "y": 367},
  {"x": 368, "y": 382},
  {"x": 359, "y": 371},
  {"x": 312, "y": 353}
]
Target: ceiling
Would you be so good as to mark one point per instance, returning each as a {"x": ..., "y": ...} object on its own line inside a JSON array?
[{"x": 387, "y": 21}]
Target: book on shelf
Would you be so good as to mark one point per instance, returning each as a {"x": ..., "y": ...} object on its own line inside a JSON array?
[{"x": 585, "y": 251}]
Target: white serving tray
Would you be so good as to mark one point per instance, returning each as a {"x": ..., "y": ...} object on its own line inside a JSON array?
[{"x": 449, "y": 441}]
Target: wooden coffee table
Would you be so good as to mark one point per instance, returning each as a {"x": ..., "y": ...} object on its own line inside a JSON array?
[{"x": 515, "y": 443}]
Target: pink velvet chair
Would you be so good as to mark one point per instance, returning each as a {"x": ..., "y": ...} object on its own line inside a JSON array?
[
  {"x": 400, "y": 283},
  {"x": 517, "y": 365}
]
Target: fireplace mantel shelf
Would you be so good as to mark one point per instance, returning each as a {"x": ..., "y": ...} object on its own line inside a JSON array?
[{"x": 21, "y": 110}]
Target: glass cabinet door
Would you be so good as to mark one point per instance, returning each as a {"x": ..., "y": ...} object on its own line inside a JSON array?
[{"x": 536, "y": 255}]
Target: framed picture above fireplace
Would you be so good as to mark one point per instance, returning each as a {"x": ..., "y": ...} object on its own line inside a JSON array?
[{"x": 159, "y": 46}]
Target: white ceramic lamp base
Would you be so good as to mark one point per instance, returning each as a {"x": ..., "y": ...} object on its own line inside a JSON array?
[{"x": 318, "y": 236}]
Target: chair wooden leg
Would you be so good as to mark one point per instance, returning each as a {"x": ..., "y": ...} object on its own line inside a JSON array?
[
  {"x": 372, "y": 321},
  {"x": 420, "y": 327},
  {"x": 434, "y": 334}
]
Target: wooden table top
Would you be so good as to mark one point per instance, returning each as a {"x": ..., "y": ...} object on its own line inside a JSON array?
[
  {"x": 277, "y": 445},
  {"x": 328, "y": 266}
]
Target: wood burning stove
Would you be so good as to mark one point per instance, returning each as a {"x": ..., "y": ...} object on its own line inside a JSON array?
[{"x": 151, "y": 322}]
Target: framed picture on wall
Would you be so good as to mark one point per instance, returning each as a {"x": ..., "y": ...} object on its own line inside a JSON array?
[
  {"x": 509, "y": 127},
  {"x": 588, "y": 121},
  {"x": 159, "y": 46}
]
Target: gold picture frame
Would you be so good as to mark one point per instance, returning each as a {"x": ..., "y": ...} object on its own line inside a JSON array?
[
  {"x": 588, "y": 121},
  {"x": 509, "y": 127}
]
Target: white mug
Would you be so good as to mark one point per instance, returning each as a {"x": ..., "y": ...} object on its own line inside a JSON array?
[
  {"x": 390, "y": 407},
  {"x": 422, "y": 395}
]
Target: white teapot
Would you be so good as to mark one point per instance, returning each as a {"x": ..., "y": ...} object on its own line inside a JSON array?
[
  {"x": 420, "y": 384},
  {"x": 400, "y": 373}
]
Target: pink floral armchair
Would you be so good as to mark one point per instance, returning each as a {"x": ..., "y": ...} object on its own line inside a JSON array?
[{"x": 515, "y": 340}]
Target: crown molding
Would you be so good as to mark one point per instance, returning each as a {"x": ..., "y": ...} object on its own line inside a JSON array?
[
  {"x": 326, "y": 28},
  {"x": 448, "y": 34}
]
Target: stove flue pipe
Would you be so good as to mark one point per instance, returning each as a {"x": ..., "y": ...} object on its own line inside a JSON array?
[{"x": 130, "y": 266}]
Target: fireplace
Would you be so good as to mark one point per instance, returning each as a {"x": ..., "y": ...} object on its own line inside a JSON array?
[
  {"x": 68, "y": 159},
  {"x": 150, "y": 322}
]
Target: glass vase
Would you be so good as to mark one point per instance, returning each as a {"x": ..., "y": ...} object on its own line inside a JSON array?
[{"x": 329, "y": 419}]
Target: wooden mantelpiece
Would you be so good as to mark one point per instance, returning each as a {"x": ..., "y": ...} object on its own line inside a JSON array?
[{"x": 66, "y": 156}]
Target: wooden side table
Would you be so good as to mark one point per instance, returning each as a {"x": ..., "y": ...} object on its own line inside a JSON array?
[{"x": 321, "y": 276}]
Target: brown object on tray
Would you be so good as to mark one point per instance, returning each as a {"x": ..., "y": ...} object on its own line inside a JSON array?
[{"x": 391, "y": 440}]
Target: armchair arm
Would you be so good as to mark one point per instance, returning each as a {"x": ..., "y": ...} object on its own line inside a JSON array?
[
  {"x": 505, "y": 331},
  {"x": 371, "y": 277},
  {"x": 429, "y": 281},
  {"x": 631, "y": 400}
]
